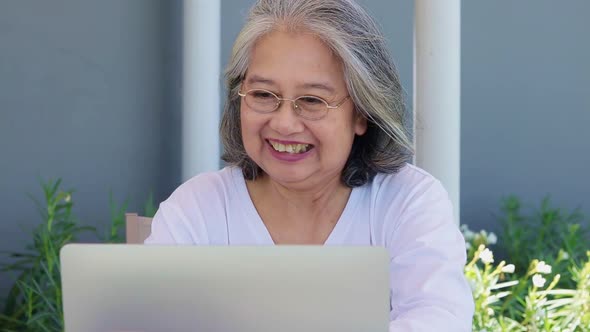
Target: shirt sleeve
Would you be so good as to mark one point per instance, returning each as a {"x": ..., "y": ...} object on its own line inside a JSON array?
[
  {"x": 427, "y": 252},
  {"x": 170, "y": 226}
]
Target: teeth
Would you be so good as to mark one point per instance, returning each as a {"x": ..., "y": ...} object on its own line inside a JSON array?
[{"x": 290, "y": 148}]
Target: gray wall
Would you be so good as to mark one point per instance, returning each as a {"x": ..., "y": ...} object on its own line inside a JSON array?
[
  {"x": 84, "y": 88},
  {"x": 525, "y": 105},
  {"x": 90, "y": 92}
]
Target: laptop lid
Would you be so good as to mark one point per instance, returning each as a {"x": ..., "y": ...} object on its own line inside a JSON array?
[{"x": 151, "y": 288}]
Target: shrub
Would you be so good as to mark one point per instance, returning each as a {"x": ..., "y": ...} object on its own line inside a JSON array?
[{"x": 34, "y": 303}]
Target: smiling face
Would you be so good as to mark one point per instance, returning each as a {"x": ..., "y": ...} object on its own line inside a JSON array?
[{"x": 292, "y": 150}]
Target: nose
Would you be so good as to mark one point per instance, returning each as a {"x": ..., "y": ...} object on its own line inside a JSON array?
[{"x": 285, "y": 121}]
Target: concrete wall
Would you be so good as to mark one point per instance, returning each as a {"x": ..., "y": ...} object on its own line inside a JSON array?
[
  {"x": 525, "y": 105},
  {"x": 83, "y": 96}
]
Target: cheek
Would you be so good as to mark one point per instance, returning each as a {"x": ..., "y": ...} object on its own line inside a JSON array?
[
  {"x": 334, "y": 138},
  {"x": 245, "y": 128},
  {"x": 337, "y": 137},
  {"x": 245, "y": 122},
  {"x": 251, "y": 128}
]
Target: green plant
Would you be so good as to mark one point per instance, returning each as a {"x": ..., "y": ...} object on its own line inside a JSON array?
[
  {"x": 487, "y": 289},
  {"x": 114, "y": 234},
  {"x": 34, "y": 302},
  {"x": 546, "y": 233},
  {"x": 474, "y": 240},
  {"x": 553, "y": 244},
  {"x": 543, "y": 309},
  {"x": 149, "y": 208}
]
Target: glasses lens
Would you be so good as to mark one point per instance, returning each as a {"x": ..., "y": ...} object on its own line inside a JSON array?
[
  {"x": 311, "y": 107},
  {"x": 261, "y": 101}
]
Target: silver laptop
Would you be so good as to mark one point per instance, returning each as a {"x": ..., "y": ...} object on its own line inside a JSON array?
[{"x": 148, "y": 288}]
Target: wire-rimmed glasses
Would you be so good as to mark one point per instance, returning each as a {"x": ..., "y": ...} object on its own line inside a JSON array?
[{"x": 308, "y": 107}]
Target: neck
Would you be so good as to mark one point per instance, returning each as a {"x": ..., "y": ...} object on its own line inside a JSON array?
[{"x": 305, "y": 204}]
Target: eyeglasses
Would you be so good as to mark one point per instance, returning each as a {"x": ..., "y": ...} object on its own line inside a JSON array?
[{"x": 307, "y": 107}]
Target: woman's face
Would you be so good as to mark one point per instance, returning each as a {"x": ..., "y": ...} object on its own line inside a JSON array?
[{"x": 292, "y": 150}]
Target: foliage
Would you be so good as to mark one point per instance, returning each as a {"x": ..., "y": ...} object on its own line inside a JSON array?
[
  {"x": 34, "y": 303},
  {"x": 546, "y": 233},
  {"x": 543, "y": 308},
  {"x": 547, "y": 288}
]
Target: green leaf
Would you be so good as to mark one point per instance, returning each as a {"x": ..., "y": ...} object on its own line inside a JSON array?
[{"x": 149, "y": 209}]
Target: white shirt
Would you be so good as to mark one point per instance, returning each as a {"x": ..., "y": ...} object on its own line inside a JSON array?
[{"x": 409, "y": 213}]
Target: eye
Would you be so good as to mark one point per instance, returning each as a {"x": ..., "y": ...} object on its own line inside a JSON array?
[
  {"x": 310, "y": 100},
  {"x": 262, "y": 95}
]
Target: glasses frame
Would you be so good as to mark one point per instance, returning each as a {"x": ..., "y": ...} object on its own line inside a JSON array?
[{"x": 296, "y": 107}]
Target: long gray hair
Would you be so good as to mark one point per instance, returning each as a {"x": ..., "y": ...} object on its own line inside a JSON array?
[{"x": 369, "y": 72}]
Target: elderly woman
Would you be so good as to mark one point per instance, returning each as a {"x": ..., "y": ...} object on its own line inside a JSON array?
[{"x": 317, "y": 151}]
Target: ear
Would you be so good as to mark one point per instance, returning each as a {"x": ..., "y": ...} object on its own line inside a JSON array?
[{"x": 360, "y": 124}]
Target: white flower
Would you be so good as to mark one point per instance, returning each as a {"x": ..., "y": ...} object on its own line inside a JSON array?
[
  {"x": 544, "y": 268},
  {"x": 467, "y": 234},
  {"x": 538, "y": 280},
  {"x": 562, "y": 255},
  {"x": 508, "y": 268},
  {"x": 467, "y": 245},
  {"x": 490, "y": 312},
  {"x": 492, "y": 239},
  {"x": 486, "y": 256}
]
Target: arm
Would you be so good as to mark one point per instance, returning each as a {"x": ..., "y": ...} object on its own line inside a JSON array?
[{"x": 429, "y": 290}]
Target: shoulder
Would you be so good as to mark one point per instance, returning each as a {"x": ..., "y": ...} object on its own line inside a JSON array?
[
  {"x": 195, "y": 211},
  {"x": 205, "y": 186},
  {"x": 205, "y": 197},
  {"x": 409, "y": 198},
  {"x": 406, "y": 186}
]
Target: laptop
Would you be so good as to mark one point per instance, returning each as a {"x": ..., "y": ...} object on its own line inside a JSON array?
[{"x": 149, "y": 288}]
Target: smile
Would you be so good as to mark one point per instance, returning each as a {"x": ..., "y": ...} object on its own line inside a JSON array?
[{"x": 290, "y": 148}]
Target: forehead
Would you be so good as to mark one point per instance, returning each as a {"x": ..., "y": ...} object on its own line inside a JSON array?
[{"x": 294, "y": 57}]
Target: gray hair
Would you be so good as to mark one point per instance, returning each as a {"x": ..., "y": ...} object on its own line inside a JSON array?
[{"x": 369, "y": 72}]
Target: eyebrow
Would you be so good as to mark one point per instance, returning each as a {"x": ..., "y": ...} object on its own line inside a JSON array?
[
  {"x": 260, "y": 79},
  {"x": 315, "y": 85},
  {"x": 321, "y": 86}
]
